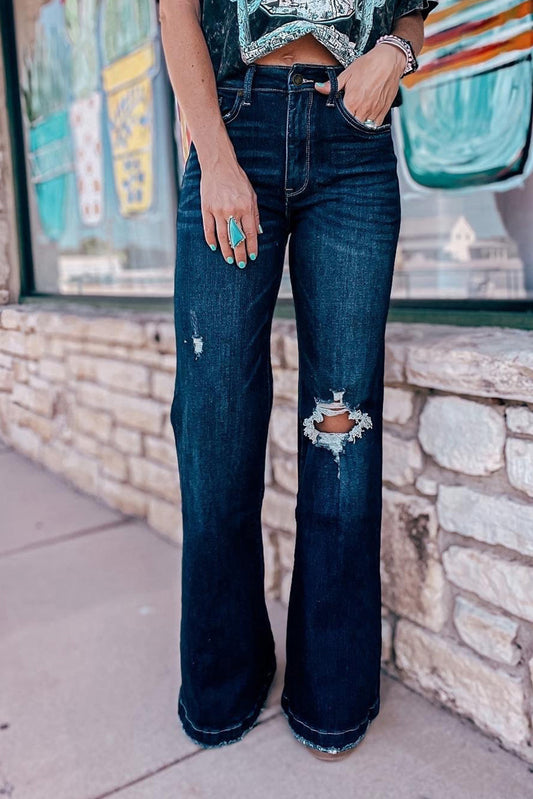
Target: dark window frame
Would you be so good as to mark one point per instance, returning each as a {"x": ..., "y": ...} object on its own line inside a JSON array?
[{"x": 508, "y": 313}]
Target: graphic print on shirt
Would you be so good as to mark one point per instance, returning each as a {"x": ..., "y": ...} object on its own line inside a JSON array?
[
  {"x": 309, "y": 9},
  {"x": 313, "y": 16}
]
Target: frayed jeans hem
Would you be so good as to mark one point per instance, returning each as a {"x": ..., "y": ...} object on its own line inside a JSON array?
[
  {"x": 211, "y": 739},
  {"x": 300, "y": 730}
]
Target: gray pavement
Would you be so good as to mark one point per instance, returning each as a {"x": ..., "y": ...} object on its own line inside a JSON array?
[{"x": 89, "y": 621}]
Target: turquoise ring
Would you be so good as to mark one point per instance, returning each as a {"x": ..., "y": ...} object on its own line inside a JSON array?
[{"x": 235, "y": 233}]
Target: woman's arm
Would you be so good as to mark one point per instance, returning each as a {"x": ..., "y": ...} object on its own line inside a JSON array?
[
  {"x": 371, "y": 81},
  {"x": 411, "y": 27},
  {"x": 225, "y": 188}
]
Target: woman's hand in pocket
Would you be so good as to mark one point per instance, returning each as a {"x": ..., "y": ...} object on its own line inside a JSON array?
[{"x": 371, "y": 82}]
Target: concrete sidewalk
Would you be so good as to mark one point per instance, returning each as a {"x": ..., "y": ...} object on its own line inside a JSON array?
[{"x": 89, "y": 676}]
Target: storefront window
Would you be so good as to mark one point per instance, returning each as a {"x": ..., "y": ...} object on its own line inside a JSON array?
[
  {"x": 100, "y": 151},
  {"x": 99, "y": 146}
]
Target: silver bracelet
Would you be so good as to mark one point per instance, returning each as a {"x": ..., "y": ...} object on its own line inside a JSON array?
[{"x": 405, "y": 46}]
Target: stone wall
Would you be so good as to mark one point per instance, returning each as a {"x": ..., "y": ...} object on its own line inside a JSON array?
[
  {"x": 89, "y": 396},
  {"x": 458, "y": 522}
]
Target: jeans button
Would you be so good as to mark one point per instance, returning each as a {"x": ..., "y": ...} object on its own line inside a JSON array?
[{"x": 297, "y": 79}]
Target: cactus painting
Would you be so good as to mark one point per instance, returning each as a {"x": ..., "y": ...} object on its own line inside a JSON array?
[{"x": 45, "y": 95}]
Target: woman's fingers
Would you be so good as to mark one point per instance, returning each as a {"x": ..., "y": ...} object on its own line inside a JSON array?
[
  {"x": 209, "y": 229},
  {"x": 363, "y": 109},
  {"x": 378, "y": 115},
  {"x": 222, "y": 234},
  {"x": 250, "y": 226}
]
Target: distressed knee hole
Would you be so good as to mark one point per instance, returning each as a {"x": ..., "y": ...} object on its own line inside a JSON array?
[{"x": 333, "y": 424}]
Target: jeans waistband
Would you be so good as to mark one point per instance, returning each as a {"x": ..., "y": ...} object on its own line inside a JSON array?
[{"x": 295, "y": 77}]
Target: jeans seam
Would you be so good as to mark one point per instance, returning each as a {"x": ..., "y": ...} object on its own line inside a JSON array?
[
  {"x": 307, "y": 153},
  {"x": 287, "y": 147},
  {"x": 333, "y": 748},
  {"x": 234, "y": 726},
  {"x": 229, "y": 86},
  {"x": 328, "y": 732}
]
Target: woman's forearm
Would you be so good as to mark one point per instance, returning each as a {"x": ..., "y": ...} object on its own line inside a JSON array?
[
  {"x": 193, "y": 80},
  {"x": 411, "y": 27}
]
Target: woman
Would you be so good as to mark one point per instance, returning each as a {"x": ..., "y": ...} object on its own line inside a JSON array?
[{"x": 288, "y": 105}]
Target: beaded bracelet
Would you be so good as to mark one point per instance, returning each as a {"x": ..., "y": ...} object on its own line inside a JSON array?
[{"x": 405, "y": 46}]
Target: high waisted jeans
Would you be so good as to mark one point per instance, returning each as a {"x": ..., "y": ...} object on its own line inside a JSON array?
[{"x": 332, "y": 184}]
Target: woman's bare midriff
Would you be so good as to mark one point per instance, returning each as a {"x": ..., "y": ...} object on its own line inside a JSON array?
[{"x": 305, "y": 50}]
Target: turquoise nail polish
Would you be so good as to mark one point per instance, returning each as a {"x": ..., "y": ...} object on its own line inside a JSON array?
[
  {"x": 317, "y": 83},
  {"x": 229, "y": 259},
  {"x": 260, "y": 229},
  {"x": 242, "y": 264},
  {"x": 213, "y": 246},
  {"x": 253, "y": 256}
]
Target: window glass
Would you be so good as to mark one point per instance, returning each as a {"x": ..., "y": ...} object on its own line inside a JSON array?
[{"x": 99, "y": 146}]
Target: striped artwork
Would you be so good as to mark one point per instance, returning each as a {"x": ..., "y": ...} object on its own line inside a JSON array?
[
  {"x": 466, "y": 116},
  {"x": 473, "y": 36}
]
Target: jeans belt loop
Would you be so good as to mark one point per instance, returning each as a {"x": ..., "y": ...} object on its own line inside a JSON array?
[
  {"x": 333, "y": 86},
  {"x": 248, "y": 78}
]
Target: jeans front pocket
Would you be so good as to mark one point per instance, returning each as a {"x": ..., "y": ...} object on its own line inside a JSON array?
[
  {"x": 357, "y": 123},
  {"x": 230, "y": 102}
]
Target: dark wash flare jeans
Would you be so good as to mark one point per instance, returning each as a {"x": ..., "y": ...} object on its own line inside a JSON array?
[{"x": 330, "y": 183}]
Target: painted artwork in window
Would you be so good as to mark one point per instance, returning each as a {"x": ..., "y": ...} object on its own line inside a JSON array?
[{"x": 100, "y": 146}]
